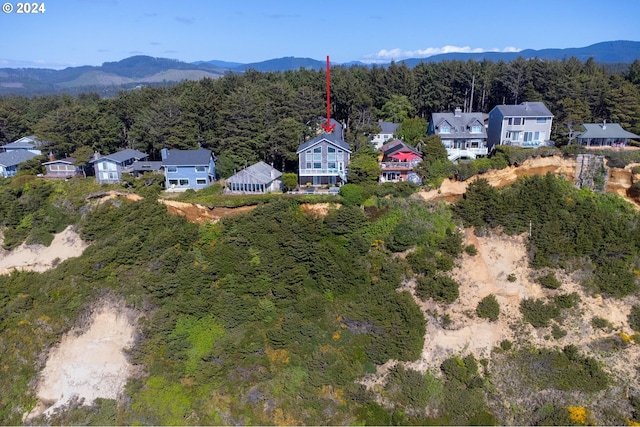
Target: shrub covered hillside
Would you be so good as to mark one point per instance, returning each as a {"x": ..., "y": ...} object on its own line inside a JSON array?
[
  {"x": 278, "y": 315},
  {"x": 244, "y": 319}
]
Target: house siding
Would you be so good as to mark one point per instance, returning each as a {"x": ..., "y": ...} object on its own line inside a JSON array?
[
  {"x": 323, "y": 175},
  {"x": 526, "y": 126},
  {"x": 189, "y": 176}
]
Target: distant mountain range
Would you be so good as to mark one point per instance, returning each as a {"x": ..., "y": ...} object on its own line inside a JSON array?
[{"x": 135, "y": 71}]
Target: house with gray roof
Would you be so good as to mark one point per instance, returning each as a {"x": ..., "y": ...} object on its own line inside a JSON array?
[
  {"x": 184, "y": 169},
  {"x": 323, "y": 160},
  {"x": 527, "y": 125},
  {"x": 604, "y": 135},
  {"x": 62, "y": 168},
  {"x": 26, "y": 143},
  {"x": 10, "y": 160},
  {"x": 386, "y": 133},
  {"x": 258, "y": 178},
  {"x": 463, "y": 134},
  {"x": 109, "y": 168}
]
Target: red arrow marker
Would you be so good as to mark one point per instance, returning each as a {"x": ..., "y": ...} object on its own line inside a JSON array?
[{"x": 328, "y": 127}]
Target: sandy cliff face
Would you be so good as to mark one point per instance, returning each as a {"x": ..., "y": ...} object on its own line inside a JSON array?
[{"x": 620, "y": 180}]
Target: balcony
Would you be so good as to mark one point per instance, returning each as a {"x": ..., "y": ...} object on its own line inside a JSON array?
[
  {"x": 469, "y": 153},
  {"x": 526, "y": 144},
  {"x": 400, "y": 165},
  {"x": 321, "y": 172}
]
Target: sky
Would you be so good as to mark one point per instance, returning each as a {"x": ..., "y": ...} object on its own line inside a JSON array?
[{"x": 72, "y": 33}]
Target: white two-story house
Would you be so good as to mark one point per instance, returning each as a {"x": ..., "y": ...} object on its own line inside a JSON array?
[
  {"x": 463, "y": 134},
  {"x": 527, "y": 125}
]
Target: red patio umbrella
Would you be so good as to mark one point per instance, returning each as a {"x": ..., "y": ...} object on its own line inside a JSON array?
[{"x": 404, "y": 157}]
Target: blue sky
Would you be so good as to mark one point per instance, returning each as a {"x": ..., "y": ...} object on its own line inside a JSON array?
[{"x": 90, "y": 32}]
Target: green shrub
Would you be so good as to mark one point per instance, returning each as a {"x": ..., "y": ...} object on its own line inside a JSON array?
[
  {"x": 549, "y": 281},
  {"x": 440, "y": 288},
  {"x": 557, "y": 332},
  {"x": 634, "y": 318},
  {"x": 600, "y": 323},
  {"x": 512, "y": 277},
  {"x": 471, "y": 250},
  {"x": 488, "y": 308},
  {"x": 353, "y": 194},
  {"x": 565, "y": 301},
  {"x": 537, "y": 312},
  {"x": 506, "y": 345}
]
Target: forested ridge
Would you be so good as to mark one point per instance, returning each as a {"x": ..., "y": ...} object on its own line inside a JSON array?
[
  {"x": 279, "y": 315},
  {"x": 264, "y": 116}
]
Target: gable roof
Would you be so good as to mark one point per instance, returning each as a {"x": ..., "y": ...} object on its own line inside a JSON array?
[
  {"x": 146, "y": 166},
  {"x": 66, "y": 160},
  {"x": 199, "y": 157},
  {"x": 122, "y": 156},
  {"x": 330, "y": 138},
  {"x": 258, "y": 173},
  {"x": 24, "y": 143},
  {"x": 388, "y": 127},
  {"x": 14, "y": 158},
  {"x": 460, "y": 123},
  {"x": 606, "y": 130},
  {"x": 526, "y": 109},
  {"x": 397, "y": 146}
]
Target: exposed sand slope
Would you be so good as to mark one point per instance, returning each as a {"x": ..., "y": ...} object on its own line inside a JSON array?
[
  {"x": 41, "y": 258},
  {"x": 201, "y": 214},
  {"x": 487, "y": 273},
  {"x": 90, "y": 364}
]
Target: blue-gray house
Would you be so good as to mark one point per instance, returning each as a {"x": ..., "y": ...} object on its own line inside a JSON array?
[
  {"x": 109, "y": 168},
  {"x": 184, "y": 169},
  {"x": 26, "y": 143},
  {"x": 10, "y": 160}
]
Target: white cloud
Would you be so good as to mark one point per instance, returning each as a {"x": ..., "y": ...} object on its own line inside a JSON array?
[{"x": 397, "y": 54}]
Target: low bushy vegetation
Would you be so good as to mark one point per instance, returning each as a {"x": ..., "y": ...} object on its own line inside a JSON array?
[
  {"x": 567, "y": 225},
  {"x": 488, "y": 308}
]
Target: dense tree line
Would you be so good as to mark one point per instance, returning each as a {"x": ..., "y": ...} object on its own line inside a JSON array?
[{"x": 264, "y": 116}]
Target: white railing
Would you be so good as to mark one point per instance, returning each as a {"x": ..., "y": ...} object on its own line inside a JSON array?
[
  {"x": 472, "y": 153},
  {"x": 526, "y": 144},
  {"x": 320, "y": 172},
  {"x": 400, "y": 165}
]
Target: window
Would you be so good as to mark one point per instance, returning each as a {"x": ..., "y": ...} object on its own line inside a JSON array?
[
  {"x": 107, "y": 166},
  {"x": 201, "y": 168},
  {"x": 308, "y": 165},
  {"x": 331, "y": 165},
  {"x": 445, "y": 129},
  {"x": 476, "y": 129},
  {"x": 317, "y": 165},
  {"x": 541, "y": 120},
  {"x": 517, "y": 121},
  {"x": 173, "y": 182},
  {"x": 172, "y": 169},
  {"x": 184, "y": 182},
  {"x": 201, "y": 181},
  {"x": 317, "y": 150},
  {"x": 331, "y": 150}
]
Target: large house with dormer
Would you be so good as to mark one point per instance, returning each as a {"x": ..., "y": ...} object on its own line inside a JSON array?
[
  {"x": 527, "y": 125},
  {"x": 463, "y": 134},
  {"x": 324, "y": 159}
]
